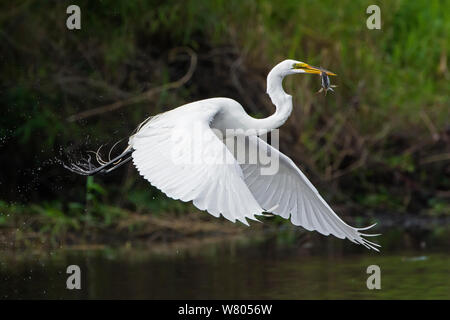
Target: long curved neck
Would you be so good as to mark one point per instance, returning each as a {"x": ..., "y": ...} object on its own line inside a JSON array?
[{"x": 281, "y": 100}]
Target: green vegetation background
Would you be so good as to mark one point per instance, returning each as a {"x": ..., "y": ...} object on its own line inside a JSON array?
[{"x": 379, "y": 144}]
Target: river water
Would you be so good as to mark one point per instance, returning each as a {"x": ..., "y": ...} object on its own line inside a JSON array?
[{"x": 281, "y": 265}]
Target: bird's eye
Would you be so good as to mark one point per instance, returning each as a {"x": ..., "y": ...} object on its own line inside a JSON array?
[{"x": 299, "y": 65}]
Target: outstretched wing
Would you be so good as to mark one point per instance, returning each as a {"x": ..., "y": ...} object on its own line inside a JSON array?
[
  {"x": 290, "y": 194},
  {"x": 180, "y": 154}
]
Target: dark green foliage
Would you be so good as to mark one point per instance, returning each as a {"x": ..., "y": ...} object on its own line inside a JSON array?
[{"x": 380, "y": 143}]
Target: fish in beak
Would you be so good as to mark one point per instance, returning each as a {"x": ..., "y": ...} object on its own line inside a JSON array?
[
  {"x": 325, "y": 82},
  {"x": 311, "y": 69}
]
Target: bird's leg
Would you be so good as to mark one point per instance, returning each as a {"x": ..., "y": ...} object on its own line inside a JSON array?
[
  {"x": 117, "y": 165},
  {"x": 86, "y": 168}
]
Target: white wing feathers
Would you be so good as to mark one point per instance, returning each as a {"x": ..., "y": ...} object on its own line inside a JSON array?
[
  {"x": 170, "y": 152},
  {"x": 292, "y": 195},
  {"x": 180, "y": 154}
]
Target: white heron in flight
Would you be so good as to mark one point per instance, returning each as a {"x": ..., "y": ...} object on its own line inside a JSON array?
[{"x": 198, "y": 165}]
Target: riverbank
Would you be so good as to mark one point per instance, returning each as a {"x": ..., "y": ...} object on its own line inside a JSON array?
[
  {"x": 30, "y": 231},
  {"x": 43, "y": 231}
]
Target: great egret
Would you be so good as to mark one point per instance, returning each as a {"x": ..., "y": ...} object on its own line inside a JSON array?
[{"x": 170, "y": 151}]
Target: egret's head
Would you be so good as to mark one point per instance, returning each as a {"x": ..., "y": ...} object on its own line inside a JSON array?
[{"x": 289, "y": 66}]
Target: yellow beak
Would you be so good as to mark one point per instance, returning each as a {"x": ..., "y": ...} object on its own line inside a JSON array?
[{"x": 314, "y": 70}]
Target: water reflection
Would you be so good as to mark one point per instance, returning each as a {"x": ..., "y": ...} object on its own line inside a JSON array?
[{"x": 286, "y": 266}]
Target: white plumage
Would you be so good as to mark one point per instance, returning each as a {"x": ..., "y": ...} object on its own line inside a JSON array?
[
  {"x": 184, "y": 153},
  {"x": 170, "y": 164}
]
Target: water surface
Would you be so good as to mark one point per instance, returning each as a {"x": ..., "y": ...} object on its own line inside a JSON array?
[{"x": 286, "y": 265}]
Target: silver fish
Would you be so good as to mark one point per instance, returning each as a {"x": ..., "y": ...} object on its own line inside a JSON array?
[{"x": 325, "y": 82}]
